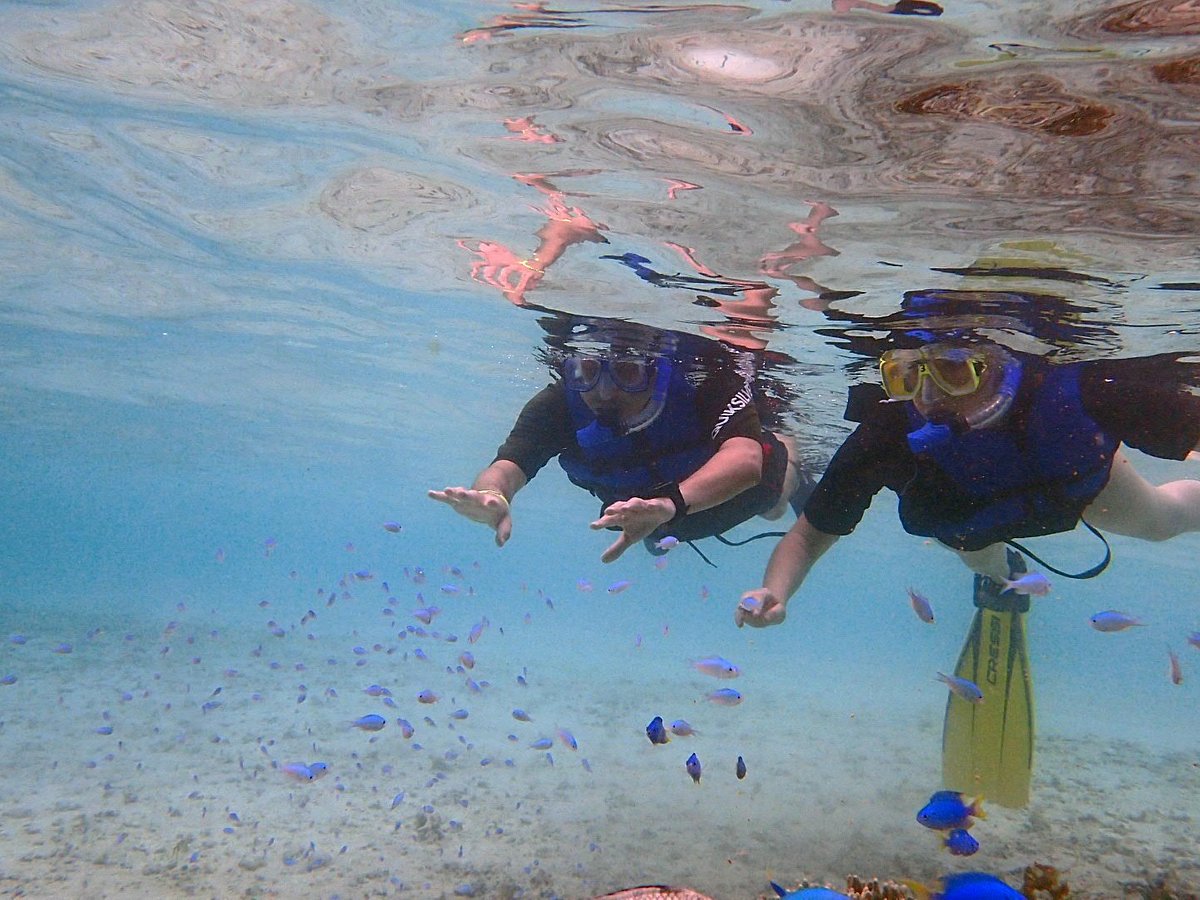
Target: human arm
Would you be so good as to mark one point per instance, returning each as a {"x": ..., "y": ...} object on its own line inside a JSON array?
[
  {"x": 536, "y": 437},
  {"x": 736, "y": 466},
  {"x": 874, "y": 456},
  {"x": 489, "y": 499},
  {"x": 791, "y": 560},
  {"x": 1149, "y": 403}
]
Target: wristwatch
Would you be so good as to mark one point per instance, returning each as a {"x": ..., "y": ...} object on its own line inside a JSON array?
[{"x": 670, "y": 490}]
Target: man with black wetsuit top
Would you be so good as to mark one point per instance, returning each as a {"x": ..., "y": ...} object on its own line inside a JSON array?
[{"x": 669, "y": 446}]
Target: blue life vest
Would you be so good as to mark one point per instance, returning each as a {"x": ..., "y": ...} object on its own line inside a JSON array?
[
  {"x": 617, "y": 467},
  {"x": 1034, "y": 473}
]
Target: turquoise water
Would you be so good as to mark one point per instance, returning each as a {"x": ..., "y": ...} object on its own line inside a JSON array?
[{"x": 241, "y": 333}]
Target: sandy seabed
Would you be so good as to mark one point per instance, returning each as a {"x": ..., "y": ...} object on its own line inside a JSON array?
[{"x": 185, "y": 796}]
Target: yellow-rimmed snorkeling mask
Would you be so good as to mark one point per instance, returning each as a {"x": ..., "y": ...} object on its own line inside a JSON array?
[{"x": 955, "y": 370}]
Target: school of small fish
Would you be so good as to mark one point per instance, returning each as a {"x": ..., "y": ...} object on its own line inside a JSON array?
[
  {"x": 1036, "y": 584},
  {"x": 423, "y": 671}
]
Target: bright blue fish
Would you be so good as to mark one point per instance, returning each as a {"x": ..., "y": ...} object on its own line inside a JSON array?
[
  {"x": 809, "y": 893},
  {"x": 975, "y": 886},
  {"x": 369, "y": 722},
  {"x": 960, "y": 843},
  {"x": 946, "y": 811}
]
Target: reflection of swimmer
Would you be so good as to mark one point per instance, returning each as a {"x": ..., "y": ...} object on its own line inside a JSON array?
[
  {"x": 778, "y": 263},
  {"x": 669, "y": 446},
  {"x": 524, "y": 128},
  {"x": 749, "y": 304},
  {"x": 900, "y": 8},
  {"x": 498, "y": 266},
  {"x": 528, "y": 15}
]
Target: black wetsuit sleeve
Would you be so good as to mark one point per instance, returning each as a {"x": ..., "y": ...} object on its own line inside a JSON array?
[
  {"x": 542, "y": 431},
  {"x": 1144, "y": 403},
  {"x": 874, "y": 456},
  {"x": 726, "y": 403}
]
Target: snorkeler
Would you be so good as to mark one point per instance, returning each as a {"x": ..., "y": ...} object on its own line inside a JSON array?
[
  {"x": 983, "y": 445},
  {"x": 670, "y": 448}
]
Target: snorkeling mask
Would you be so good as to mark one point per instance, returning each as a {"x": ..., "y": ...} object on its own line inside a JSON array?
[
  {"x": 956, "y": 370},
  {"x": 629, "y": 373},
  {"x": 654, "y": 373}
]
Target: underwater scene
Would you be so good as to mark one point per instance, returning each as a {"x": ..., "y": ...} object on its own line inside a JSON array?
[{"x": 600, "y": 448}]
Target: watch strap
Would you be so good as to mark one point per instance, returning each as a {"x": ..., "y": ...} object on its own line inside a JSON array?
[{"x": 670, "y": 490}]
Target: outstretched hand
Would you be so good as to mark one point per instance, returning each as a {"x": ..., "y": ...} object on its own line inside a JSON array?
[
  {"x": 498, "y": 267},
  {"x": 759, "y": 609},
  {"x": 636, "y": 518},
  {"x": 479, "y": 506}
]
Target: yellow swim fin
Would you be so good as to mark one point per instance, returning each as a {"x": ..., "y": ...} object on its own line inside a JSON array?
[{"x": 987, "y": 747}]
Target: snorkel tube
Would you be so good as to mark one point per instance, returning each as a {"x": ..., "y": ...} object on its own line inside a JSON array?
[
  {"x": 933, "y": 434},
  {"x": 611, "y": 427},
  {"x": 997, "y": 408},
  {"x": 663, "y": 370}
]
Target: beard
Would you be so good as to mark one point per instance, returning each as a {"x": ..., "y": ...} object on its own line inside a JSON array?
[{"x": 608, "y": 415}]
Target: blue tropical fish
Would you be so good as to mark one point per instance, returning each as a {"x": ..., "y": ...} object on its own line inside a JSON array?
[
  {"x": 946, "y": 811},
  {"x": 960, "y": 843}
]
